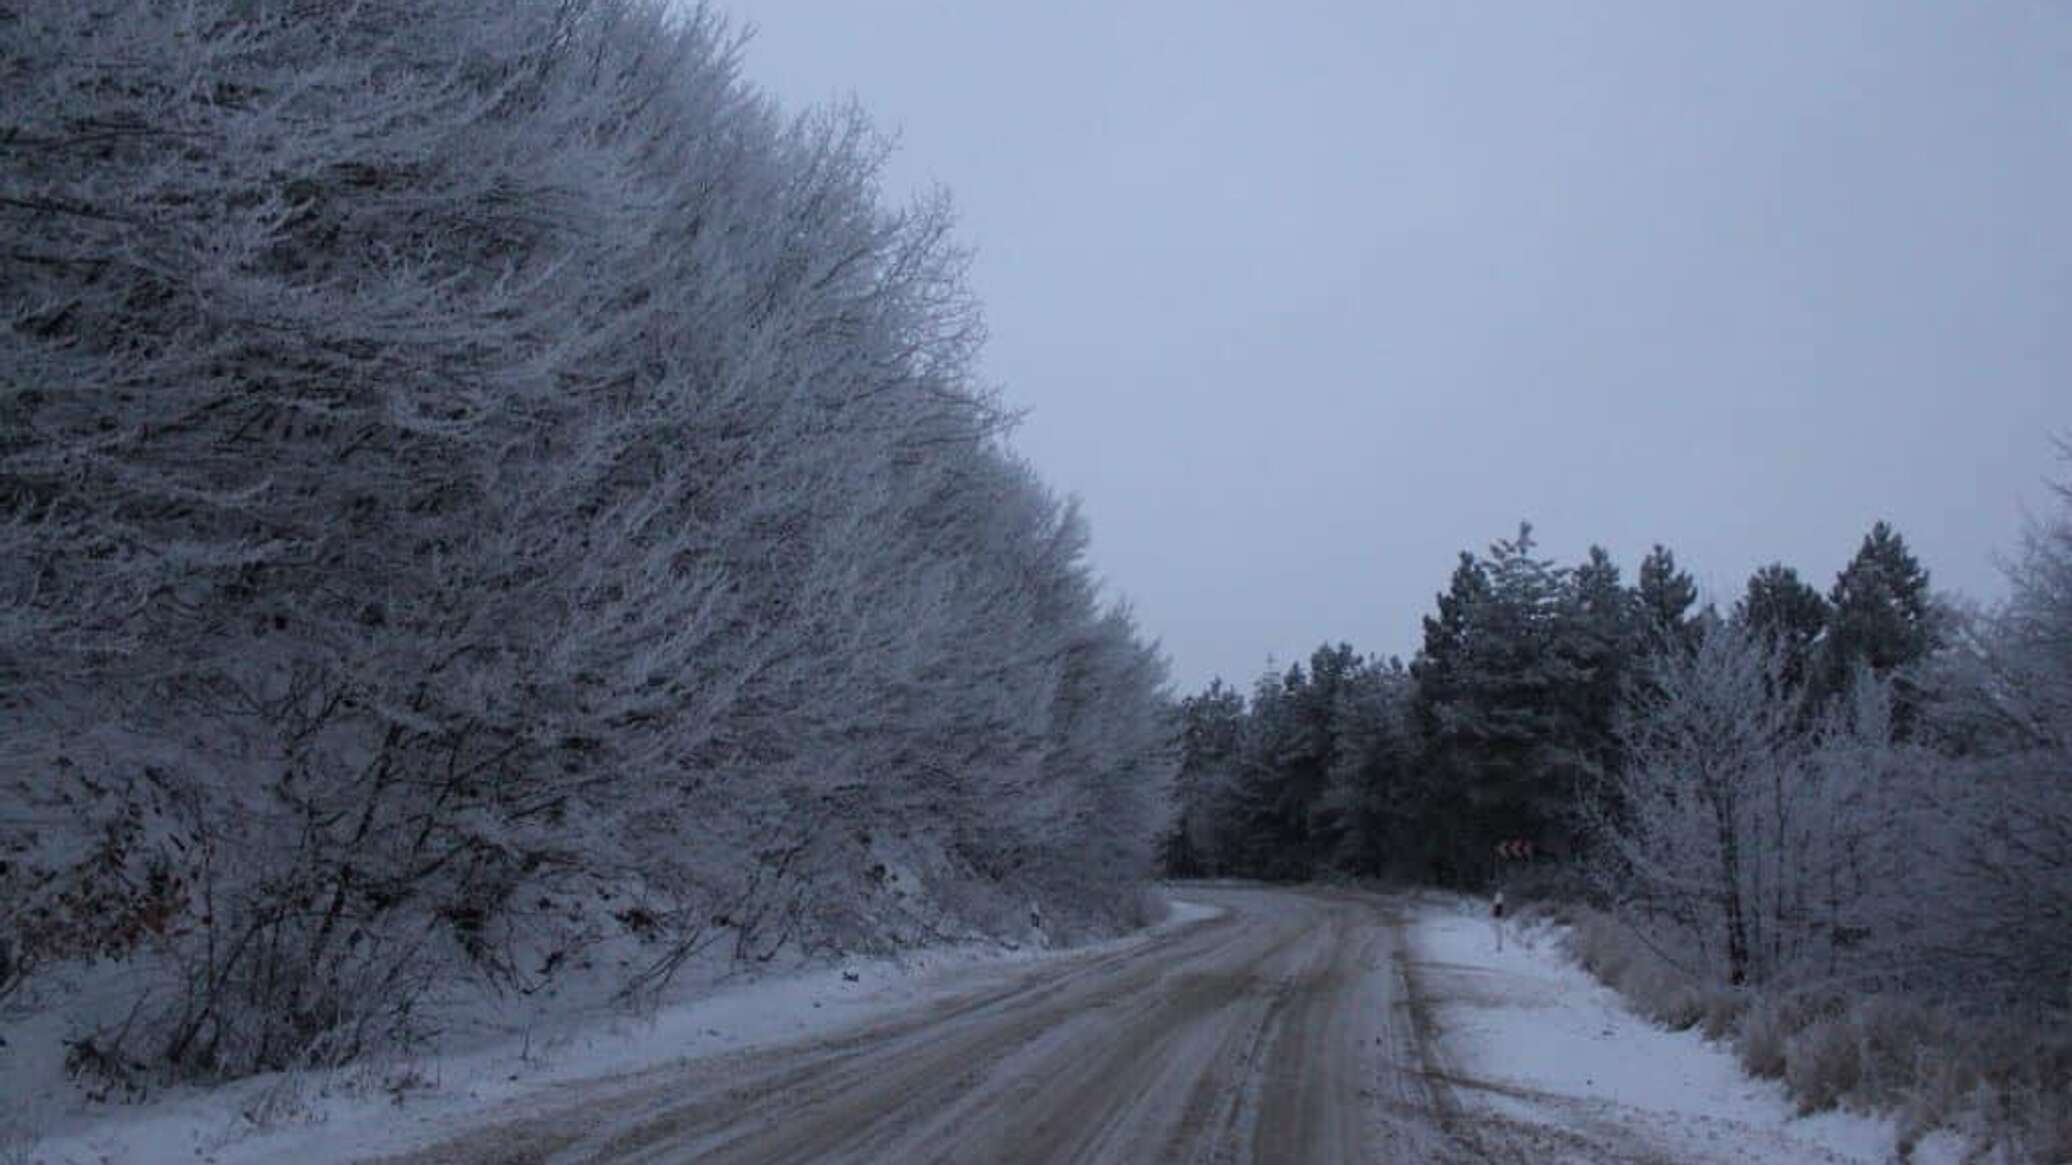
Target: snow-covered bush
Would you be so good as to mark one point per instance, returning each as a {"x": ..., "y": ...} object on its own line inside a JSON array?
[
  {"x": 1823, "y": 1064},
  {"x": 1768, "y": 1026},
  {"x": 1724, "y": 1008},
  {"x": 1898, "y": 1040},
  {"x": 1630, "y": 963},
  {"x": 2002, "y": 1081}
]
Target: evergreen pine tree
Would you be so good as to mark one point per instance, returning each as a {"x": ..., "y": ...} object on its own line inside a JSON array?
[
  {"x": 1882, "y": 618},
  {"x": 1494, "y": 709},
  {"x": 1438, "y": 664},
  {"x": 1270, "y": 813},
  {"x": 1788, "y": 615},
  {"x": 1882, "y": 612},
  {"x": 1445, "y": 762},
  {"x": 1314, "y": 824},
  {"x": 1600, "y": 644},
  {"x": 1203, "y": 841},
  {"x": 1664, "y": 596},
  {"x": 1372, "y": 792}
]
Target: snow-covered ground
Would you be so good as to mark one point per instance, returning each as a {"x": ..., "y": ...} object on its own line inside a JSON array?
[
  {"x": 332, "y": 1117},
  {"x": 1530, "y": 1038}
]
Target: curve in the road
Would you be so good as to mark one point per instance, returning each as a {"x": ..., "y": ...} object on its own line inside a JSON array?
[{"x": 1278, "y": 1032}]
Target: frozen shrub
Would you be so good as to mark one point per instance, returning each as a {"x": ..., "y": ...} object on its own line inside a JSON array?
[
  {"x": 1947, "y": 1085},
  {"x": 1621, "y": 959},
  {"x": 1600, "y": 947},
  {"x": 1150, "y": 907},
  {"x": 2006, "y": 1084},
  {"x": 1664, "y": 994},
  {"x": 1897, "y": 1038},
  {"x": 1760, "y": 1041},
  {"x": 2023, "y": 1100},
  {"x": 1770, "y": 1024},
  {"x": 1724, "y": 1007},
  {"x": 1823, "y": 1065}
]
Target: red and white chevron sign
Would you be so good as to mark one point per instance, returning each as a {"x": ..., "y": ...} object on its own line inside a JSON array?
[{"x": 1516, "y": 849}]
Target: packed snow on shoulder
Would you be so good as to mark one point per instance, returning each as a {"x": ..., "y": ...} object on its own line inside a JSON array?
[
  {"x": 393, "y": 1105},
  {"x": 1529, "y": 1039}
]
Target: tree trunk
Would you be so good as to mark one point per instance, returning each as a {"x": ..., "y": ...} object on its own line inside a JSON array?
[{"x": 1730, "y": 877}]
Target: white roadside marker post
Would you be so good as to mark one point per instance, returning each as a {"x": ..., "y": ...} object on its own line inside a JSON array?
[{"x": 1510, "y": 850}]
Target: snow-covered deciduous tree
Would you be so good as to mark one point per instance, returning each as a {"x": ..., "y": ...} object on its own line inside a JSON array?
[
  {"x": 463, "y": 459},
  {"x": 1677, "y": 833},
  {"x": 1765, "y": 846},
  {"x": 2003, "y": 699}
]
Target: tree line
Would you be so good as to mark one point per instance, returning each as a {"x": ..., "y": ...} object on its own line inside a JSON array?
[
  {"x": 1864, "y": 781},
  {"x": 479, "y": 482}
]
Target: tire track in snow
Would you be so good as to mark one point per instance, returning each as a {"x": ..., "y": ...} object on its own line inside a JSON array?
[{"x": 1282, "y": 1031}]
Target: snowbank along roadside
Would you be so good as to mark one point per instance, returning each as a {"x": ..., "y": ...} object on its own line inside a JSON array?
[{"x": 1526, "y": 1038}]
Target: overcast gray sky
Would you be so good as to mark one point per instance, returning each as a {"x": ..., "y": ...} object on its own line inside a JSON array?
[{"x": 1304, "y": 298}]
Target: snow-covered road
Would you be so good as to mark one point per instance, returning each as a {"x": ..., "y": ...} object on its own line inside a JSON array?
[
  {"x": 1289, "y": 1025},
  {"x": 1275, "y": 1031},
  {"x": 1260, "y": 1025}
]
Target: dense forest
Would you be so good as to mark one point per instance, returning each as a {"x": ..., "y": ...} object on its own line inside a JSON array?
[
  {"x": 481, "y": 491},
  {"x": 1863, "y": 785}
]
